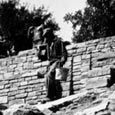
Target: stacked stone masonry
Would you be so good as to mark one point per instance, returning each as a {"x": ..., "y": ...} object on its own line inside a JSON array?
[{"x": 89, "y": 67}]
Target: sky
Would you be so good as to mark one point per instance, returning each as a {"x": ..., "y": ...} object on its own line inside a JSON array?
[{"x": 59, "y": 8}]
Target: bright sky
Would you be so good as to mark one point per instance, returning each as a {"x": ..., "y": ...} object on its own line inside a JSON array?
[{"x": 59, "y": 8}]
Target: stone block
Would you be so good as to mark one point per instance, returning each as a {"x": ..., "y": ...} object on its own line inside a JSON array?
[
  {"x": 34, "y": 81},
  {"x": 3, "y": 99},
  {"x": 19, "y": 65},
  {"x": 91, "y": 48},
  {"x": 29, "y": 59},
  {"x": 8, "y": 75},
  {"x": 13, "y": 88},
  {"x": 65, "y": 93},
  {"x": 16, "y": 101},
  {"x": 65, "y": 86},
  {"x": 1, "y": 87},
  {"x": 96, "y": 72},
  {"x": 95, "y": 110},
  {"x": 29, "y": 90},
  {"x": 96, "y": 82},
  {"x": 41, "y": 81},
  {"x": 37, "y": 65},
  {"x": 85, "y": 68},
  {"x": 29, "y": 74},
  {"x": 28, "y": 79},
  {"x": 67, "y": 64},
  {"x": 20, "y": 91},
  {"x": 26, "y": 52},
  {"x": 76, "y": 70},
  {"x": 1, "y": 77},
  {"x": 76, "y": 59},
  {"x": 11, "y": 98},
  {"x": 20, "y": 79},
  {"x": 31, "y": 94},
  {"x": 77, "y": 66},
  {"x": 111, "y": 106},
  {"x": 100, "y": 46},
  {"x": 81, "y": 50},
  {"x": 13, "y": 81},
  {"x": 76, "y": 63},
  {"x": 7, "y": 86},
  {"x": 47, "y": 112},
  {"x": 12, "y": 93},
  {"x": 37, "y": 88},
  {"x": 9, "y": 61},
  {"x": 3, "y": 69},
  {"x": 84, "y": 81},
  {"x": 4, "y": 91},
  {"x": 17, "y": 84},
  {"x": 106, "y": 70},
  {"x": 76, "y": 78},
  {"x": 92, "y": 42},
  {"x": 84, "y": 75},
  {"x": 42, "y": 70},
  {"x": 41, "y": 96},
  {"x": 85, "y": 56},
  {"x": 28, "y": 65},
  {"x": 76, "y": 73},
  {"x": 18, "y": 70},
  {"x": 17, "y": 60},
  {"x": 80, "y": 45},
  {"x": 45, "y": 63},
  {"x": 23, "y": 95},
  {"x": 23, "y": 87},
  {"x": 113, "y": 113},
  {"x": 23, "y": 83},
  {"x": 3, "y": 94},
  {"x": 34, "y": 77},
  {"x": 78, "y": 87},
  {"x": 112, "y": 96},
  {"x": 3, "y": 62},
  {"x": 35, "y": 59},
  {"x": 73, "y": 46},
  {"x": 32, "y": 102}
]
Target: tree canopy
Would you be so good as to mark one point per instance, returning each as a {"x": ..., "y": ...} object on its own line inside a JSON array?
[
  {"x": 15, "y": 21},
  {"x": 96, "y": 21}
]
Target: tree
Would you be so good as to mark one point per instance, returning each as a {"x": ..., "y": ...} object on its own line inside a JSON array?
[
  {"x": 15, "y": 21},
  {"x": 45, "y": 18},
  {"x": 97, "y": 20}
]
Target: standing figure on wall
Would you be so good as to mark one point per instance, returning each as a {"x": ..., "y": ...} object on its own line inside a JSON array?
[
  {"x": 35, "y": 32},
  {"x": 57, "y": 56},
  {"x": 51, "y": 48}
]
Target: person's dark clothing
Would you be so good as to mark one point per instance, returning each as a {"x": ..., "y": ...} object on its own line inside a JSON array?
[
  {"x": 58, "y": 56},
  {"x": 58, "y": 51},
  {"x": 111, "y": 80}
]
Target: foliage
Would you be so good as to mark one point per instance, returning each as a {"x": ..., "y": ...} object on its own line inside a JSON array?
[
  {"x": 97, "y": 20},
  {"x": 15, "y": 21}
]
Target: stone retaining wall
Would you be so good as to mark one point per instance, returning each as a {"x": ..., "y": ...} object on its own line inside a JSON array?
[{"x": 89, "y": 64}]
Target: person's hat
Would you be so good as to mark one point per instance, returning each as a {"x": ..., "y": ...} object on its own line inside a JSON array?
[
  {"x": 36, "y": 17},
  {"x": 37, "y": 20},
  {"x": 39, "y": 27},
  {"x": 46, "y": 31}
]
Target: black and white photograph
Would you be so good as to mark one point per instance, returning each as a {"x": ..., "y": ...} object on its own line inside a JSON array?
[{"x": 57, "y": 57}]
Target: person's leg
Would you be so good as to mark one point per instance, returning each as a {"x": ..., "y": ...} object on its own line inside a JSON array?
[
  {"x": 111, "y": 80},
  {"x": 50, "y": 82},
  {"x": 50, "y": 86}
]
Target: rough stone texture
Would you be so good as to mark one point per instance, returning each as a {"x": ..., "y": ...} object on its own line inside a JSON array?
[
  {"x": 89, "y": 67},
  {"x": 3, "y": 99},
  {"x": 22, "y": 109},
  {"x": 95, "y": 83}
]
